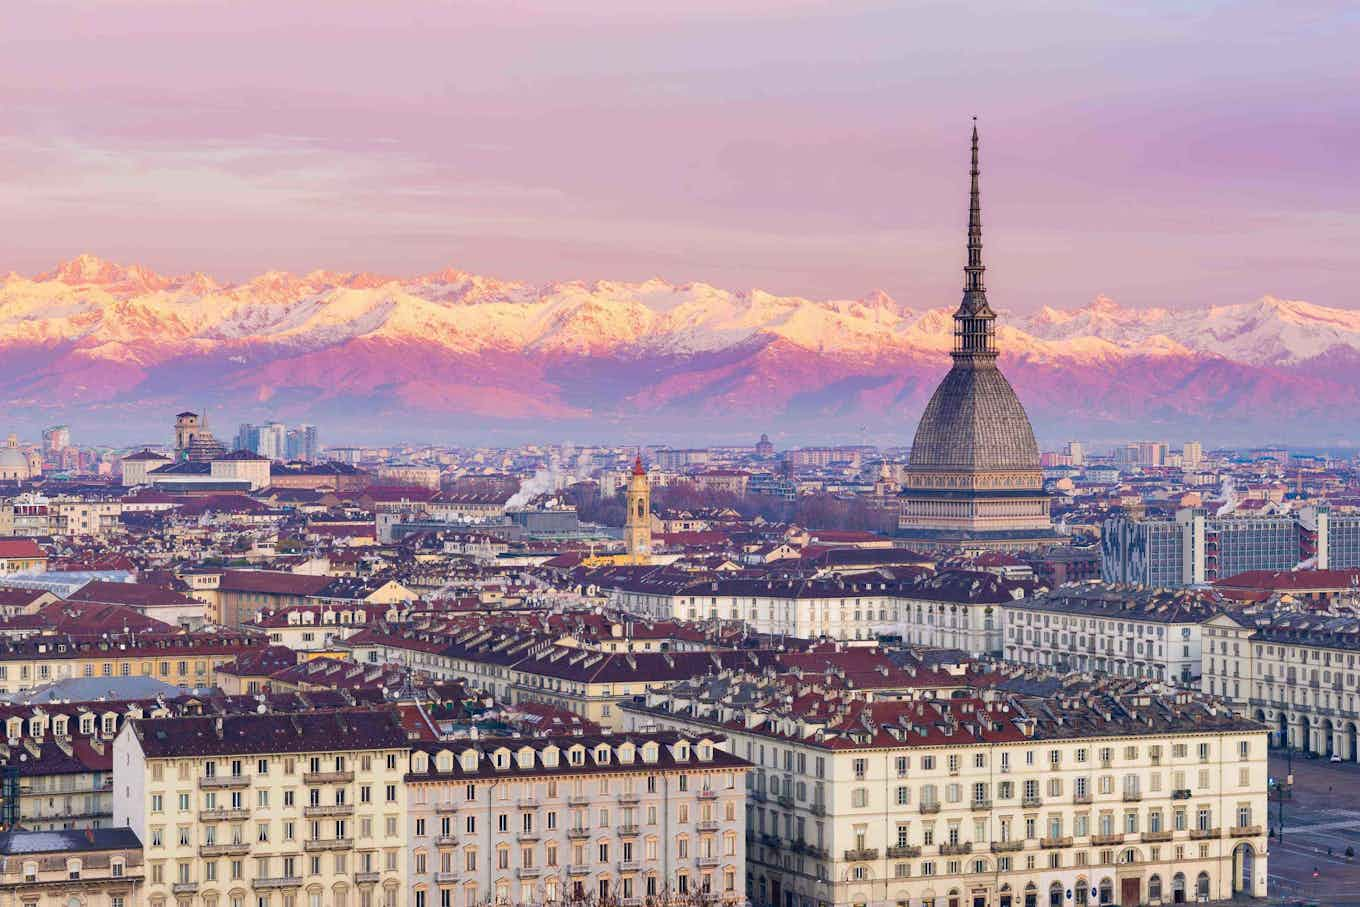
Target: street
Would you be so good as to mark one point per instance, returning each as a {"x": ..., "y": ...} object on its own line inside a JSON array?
[{"x": 1323, "y": 813}]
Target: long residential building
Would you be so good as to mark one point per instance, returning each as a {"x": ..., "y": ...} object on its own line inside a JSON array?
[
  {"x": 990, "y": 800},
  {"x": 275, "y": 810},
  {"x": 1295, "y": 672},
  {"x": 589, "y": 819},
  {"x": 1116, "y": 630}
]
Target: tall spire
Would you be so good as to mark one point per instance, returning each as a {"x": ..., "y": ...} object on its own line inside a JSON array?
[
  {"x": 973, "y": 271},
  {"x": 974, "y": 333}
]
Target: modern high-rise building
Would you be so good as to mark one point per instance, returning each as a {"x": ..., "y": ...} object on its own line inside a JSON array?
[
  {"x": 56, "y": 439},
  {"x": 1076, "y": 453},
  {"x": 1192, "y": 454},
  {"x": 1195, "y": 547},
  {"x": 974, "y": 479},
  {"x": 302, "y": 443}
]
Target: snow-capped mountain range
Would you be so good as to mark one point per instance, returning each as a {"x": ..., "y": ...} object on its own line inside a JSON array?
[{"x": 459, "y": 351}]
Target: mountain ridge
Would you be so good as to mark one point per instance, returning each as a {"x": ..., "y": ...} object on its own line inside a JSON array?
[{"x": 91, "y": 333}]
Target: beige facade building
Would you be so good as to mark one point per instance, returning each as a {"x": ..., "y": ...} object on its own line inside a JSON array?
[
  {"x": 95, "y": 868},
  {"x": 615, "y": 819},
  {"x": 991, "y": 802},
  {"x": 269, "y": 810}
]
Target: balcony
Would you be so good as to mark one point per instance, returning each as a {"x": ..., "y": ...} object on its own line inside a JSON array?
[
  {"x": 770, "y": 840},
  {"x": 368, "y": 878},
  {"x": 1156, "y": 837},
  {"x": 929, "y": 808},
  {"x": 706, "y": 825},
  {"x": 327, "y": 777},
  {"x": 446, "y": 841},
  {"x": 905, "y": 852},
  {"x": 328, "y": 844},
  {"x": 441, "y": 878},
  {"x": 981, "y": 804},
  {"x": 1052, "y": 843},
  {"x": 629, "y": 797},
  {"x": 1007, "y": 846},
  {"x": 785, "y": 801},
  {"x": 1031, "y": 802},
  {"x": 707, "y": 793},
  {"x": 859, "y": 855},
  {"x": 224, "y": 850},
  {"x": 956, "y": 850},
  {"x": 1081, "y": 799},
  {"x": 630, "y": 902},
  {"x": 335, "y": 809},
  {"x": 577, "y": 869},
  {"x": 818, "y": 809},
  {"x": 757, "y": 794},
  {"x": 278, "y": 882},
  {"x": 630, "y": 866},
  {"x": 1106, "y": 840},
  {"x": 1244, "y": 831},
  {"x": 1205, "y": 834},
  {"x": 626, "y": 831},
  {"x": 578, "y": 800},
  {"x": 529, "y": 872},
  {"x": 184, "y": 887},
  {"x": 1132, "y": 796},
  {"x": 527, "y": 837},
  {"x": 707, "y": 862},
  {"x": 446, "y": 808},
  {"x": 223, "y": 815},
  {"x": 220, "y": 782},
  {"x": 1181, "y": 793},
  {"x": 578, "y": 833},
  {"x": 529, "y": 803}
]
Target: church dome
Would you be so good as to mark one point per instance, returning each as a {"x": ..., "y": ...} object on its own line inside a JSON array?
[
  {"x": 13, "y": 461},
  {"x": 974, "y": 422}
]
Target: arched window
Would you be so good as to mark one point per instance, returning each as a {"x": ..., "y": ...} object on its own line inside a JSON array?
[
  {"x": 1202, "y": 886},
  {"x": 1155, "y": 888},
  {"x": 1106, "y": 891}
]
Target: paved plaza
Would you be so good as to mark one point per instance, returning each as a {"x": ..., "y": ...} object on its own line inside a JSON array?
[{"x": 1323, "y": 814}]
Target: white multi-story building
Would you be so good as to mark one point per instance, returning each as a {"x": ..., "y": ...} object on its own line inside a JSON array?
[
  {"x": 612, "y": 819},
  {"x": 1296, "y": 673},
  {"x": 1120, "y": 631},
  {"x": 272, "y": 810},
  {"x": 989, "y": 801}
]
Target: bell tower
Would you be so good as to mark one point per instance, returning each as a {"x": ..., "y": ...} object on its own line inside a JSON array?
[{"x": 637, "y": 527}]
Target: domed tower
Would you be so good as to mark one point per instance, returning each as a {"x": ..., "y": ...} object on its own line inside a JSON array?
[
  {"x": 973, "y": 480},
  {"x": 186, "y": 428},
  {"x": 637, "y": 527}
]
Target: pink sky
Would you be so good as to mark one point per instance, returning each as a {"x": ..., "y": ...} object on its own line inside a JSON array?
[{"x": 1156, "y": 155}]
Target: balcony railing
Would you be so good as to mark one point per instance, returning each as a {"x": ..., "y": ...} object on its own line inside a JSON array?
[
  {"x": 529, "y": 872},
  {"x": 627, "y": 831},
  {"x": 224, "y": 850},
  {"x": 1007, "y": 846},
  {"x": 956, "y": 850},
  {"x": 906, "y": 851},
  {"x": 218, "y": 782},
  {"x": 527, "y": 837},
  {"x": 1244, "y": 831},
  {"x": 859, "y": 855},
  {"x": 578, "y": 832},
  {"x": 578, "y": 800},
  {"x": 928, "y": 808},
  {"x": 707, "y": 825},
  {"x": 1050, "y": 843},
  {"x": 578, "y": 869},
  {"x": 707, "y": 793},
  {"x": 981, "y": 804},
  {"x": 785, "y": 801},
  {"x": 446, "y": 841},
  {"x": 1156, "y": 837},
  {"x": 1132, "y": 796},
  {"x": 1181, "y": 793},
  {"x": 328, "y": 844},
  {"x": 1105, "y": 840},
  {"x": 1203, "y": 834},
  {"x": 222, "y": 815},
  {"x": 1029, "y": 802},
  {"x": 630, "y": 866},
  {"x": 629, "y": 797},
  {"x": 1081, "y": 798},
  {"x": 818, "y": 809},
  {"x": 327, "y": 777},
  {"x": 276, "y": 882},
  {"x": 184, "y": 887},
  {"x": 335, "y": 809},
  {"x": 368, "y": 878},
  {"x": 446, "y": 807},
  {"x": 442, "y": 877}
]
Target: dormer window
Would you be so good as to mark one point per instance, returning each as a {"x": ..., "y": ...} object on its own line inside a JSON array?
[
  {"x": 502, "y": 759},
  {"x": 526, "y": 758},
  {"x": 469, "y": 761},
  {"x": 550, "y": 756},
  {"x": 443, "y": 761},
  {"x": 649, "y": 752},
  {"x": 577, "y": 755},
  {"x": 602, "y": 755}
]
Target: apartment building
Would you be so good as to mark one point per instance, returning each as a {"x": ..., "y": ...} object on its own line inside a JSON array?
[
  {"x": 272, "y": 810},
  {"x": 1114, "y": 630},
  {"x": 92, "y": 868},
  {"x": 991, "y": 801},
  {"x": 184, "y": 659},
  {"x": 603, "y": 819},
  {"x": 1295, "y": 672}
]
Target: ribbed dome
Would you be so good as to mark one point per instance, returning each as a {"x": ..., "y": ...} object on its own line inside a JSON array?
[{"x": 974, "y": 422}]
